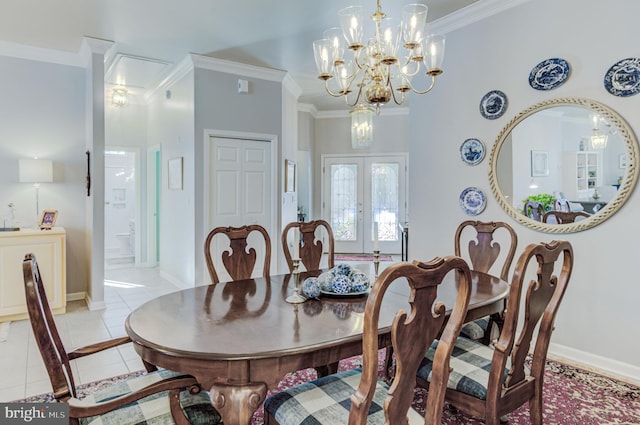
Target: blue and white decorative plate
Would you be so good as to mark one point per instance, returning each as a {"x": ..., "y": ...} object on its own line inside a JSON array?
[
  {"x": 472, "y": 151},
  {"x": 472, "y": 201},
  {"x": 549, "y": 74},
  {"x": 493, "y": 104},
  {"x": 623, "y": 78}
]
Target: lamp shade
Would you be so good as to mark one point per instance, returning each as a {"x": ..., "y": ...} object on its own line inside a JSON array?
[{"x": 35, "y": 171}]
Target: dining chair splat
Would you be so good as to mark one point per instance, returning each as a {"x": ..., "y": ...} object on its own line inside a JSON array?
[
  {"x": 238, "y": 258},
  {"x": 311, "y": 247},
  {"x": 483, "y": 250}
]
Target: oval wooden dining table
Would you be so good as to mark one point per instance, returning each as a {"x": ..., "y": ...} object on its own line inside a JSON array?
[{"x": 239, "y": 339}]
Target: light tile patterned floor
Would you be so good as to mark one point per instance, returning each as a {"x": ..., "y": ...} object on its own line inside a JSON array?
[{"x": 22, "y": 371}]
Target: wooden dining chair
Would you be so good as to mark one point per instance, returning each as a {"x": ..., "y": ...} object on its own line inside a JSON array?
[
  {"x": 310, "y": 245},
  {"x": 483, "y": 251},
  {"x": 491, "y": 381},
  {"x": 238, "y": 259},
  {"x": 562, "y": 217},
  {"x": 358, "y": 396},
  {"x": 534, "y": 210},
  {"x": 160, "y": 396}
]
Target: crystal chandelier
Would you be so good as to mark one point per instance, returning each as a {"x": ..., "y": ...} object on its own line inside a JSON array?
[
  {"x": 381, "y": 69},
  {"x": 598, "y": 140},
  {"x": 120, "y": 97},
  {"x": 361, "y": 127}
]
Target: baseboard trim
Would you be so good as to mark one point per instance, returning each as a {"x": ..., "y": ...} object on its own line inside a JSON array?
[
  {"x": 76, "y": 296},
  {"x": 601, "y": 365},
  {"x": 174, "y": 280},
  {"x": 99, "y": 305}
]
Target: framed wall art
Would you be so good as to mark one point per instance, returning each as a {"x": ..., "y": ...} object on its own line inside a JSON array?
[
  {"x": 539, "y": 163},
  {"x": 175, "y": 173},
  {"x": 289, "y": 176}
]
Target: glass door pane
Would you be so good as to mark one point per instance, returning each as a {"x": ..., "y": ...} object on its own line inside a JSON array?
[
  {"x": 384, "y": 200},
  {"x": 344, "y": 201}
]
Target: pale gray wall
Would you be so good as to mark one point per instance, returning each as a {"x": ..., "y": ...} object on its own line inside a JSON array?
[
  {"x": 219, "y": 106},
  {"x": 42, "y": 113},
  {"x": 600, "y": 306},
  {"x": 171, "y": 124}
]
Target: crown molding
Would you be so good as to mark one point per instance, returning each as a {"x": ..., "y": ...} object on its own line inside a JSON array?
[
  {"x": 473, "y": 13},
  {"x": 90, "y": 46},
  {"x": 308, "y": 108},
  {"x": 23, "y": 51},
  {"x": 179, "y": 71},
  {"x": 289, "y": 84},
  {"x": 240, "y": 69}
]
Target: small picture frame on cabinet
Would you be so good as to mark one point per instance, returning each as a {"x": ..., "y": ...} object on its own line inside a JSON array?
[{"x": 48, "y": 219}]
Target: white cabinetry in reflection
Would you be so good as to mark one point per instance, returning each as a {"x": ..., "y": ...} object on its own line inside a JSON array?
[
  {"x": 582, "y": 174},
  {"x": 49, "y": 247}
]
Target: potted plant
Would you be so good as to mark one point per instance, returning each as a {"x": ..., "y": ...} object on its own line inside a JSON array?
[{"x": 547, "y": 200}]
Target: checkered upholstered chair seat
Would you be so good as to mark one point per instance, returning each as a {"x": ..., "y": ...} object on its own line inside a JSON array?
[
  {"x": 470, "y": 364},
  {"x": 475, "y": 330},
  {"x": 327, "y": 401},
  {"x": 153, "y": 409}
]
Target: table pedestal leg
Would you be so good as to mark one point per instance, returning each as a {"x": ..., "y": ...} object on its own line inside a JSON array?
[{"x": 237, "y": 404}]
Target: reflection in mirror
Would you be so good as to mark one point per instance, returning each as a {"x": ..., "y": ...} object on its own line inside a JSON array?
[{"x": 566, "y": 155}]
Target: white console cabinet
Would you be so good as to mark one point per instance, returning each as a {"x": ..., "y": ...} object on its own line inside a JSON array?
[{"x": 49, "y": 247}]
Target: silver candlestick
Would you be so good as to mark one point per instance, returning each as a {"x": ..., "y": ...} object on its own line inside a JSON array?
[
  {"x": 296, "y": 297},
  {"x": 376, "y": 261}
]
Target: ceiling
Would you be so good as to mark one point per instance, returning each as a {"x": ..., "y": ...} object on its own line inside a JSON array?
[{"x": 276, "y": 34}]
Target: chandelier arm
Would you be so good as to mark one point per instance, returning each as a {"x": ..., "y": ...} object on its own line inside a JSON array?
[
  {"x": 326, "y": 87},
  {"x": 413, "y": 89},
  {"x": 395, "y": 100}
]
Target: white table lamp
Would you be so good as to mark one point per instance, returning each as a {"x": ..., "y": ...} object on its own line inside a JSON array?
[{"x": 35, "y": 171}]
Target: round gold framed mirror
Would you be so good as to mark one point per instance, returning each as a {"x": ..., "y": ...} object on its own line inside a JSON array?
[{"x": 569, "y": 155}]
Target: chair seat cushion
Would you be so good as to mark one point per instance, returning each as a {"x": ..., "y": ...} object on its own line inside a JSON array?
[
  {"x": 476, "y": 329},
  {"x": 152, "y": 409},
  {"x": 470, "y": 364},
  {"x": 327, "y": 401}
]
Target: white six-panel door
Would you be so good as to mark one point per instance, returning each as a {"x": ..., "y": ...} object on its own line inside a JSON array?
[{"x": 240, "y": 185}]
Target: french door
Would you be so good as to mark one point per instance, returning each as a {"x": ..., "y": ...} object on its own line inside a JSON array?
[{"x": 361, "y": 194}]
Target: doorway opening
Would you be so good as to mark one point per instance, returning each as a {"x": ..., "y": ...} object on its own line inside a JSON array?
[{"x": 121, "y": 206}]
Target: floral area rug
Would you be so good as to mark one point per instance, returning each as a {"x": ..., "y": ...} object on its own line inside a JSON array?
[{"x": 572, "y": 396}]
